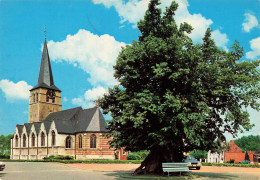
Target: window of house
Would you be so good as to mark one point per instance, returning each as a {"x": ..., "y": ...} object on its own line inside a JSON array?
[
  {"x": 16, "y": 141},
  {"x": 80, "y": 141},
  {"x": 68, "y": 142},
  {"x": 93, "y": 141},
  {"x": 24, "y": 140},
  {"x": 33, "y": 139},
  {"x": 124, "y": 152},
  {"x": 42, "y": 139},
  {"x": 52, "y": 138}
]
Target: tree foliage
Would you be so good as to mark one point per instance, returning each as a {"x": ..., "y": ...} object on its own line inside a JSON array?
[
  {"x": 175, "y": 96},
  {"x": 5, "y": 145},
  {"x": 249, "y": 143},
  {"x": 199, "y": 154}
]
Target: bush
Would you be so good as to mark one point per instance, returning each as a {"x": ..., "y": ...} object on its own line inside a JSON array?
[
  {"x": 59, "y": 157},
  {"x": 133, "y": 156},
  {"x": 140, "y": 155},
  {"x": 231, "y": 161}
]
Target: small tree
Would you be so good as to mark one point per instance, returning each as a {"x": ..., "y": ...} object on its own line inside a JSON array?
[
  {"x": 247, "y": 157},
  {"x": 175, "y": 96}
]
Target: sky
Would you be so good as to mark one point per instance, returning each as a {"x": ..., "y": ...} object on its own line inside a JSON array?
[{"x": 84, "y": 38}]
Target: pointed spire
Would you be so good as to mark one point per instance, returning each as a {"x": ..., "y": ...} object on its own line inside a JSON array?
[{"x": 45, "y": 79}]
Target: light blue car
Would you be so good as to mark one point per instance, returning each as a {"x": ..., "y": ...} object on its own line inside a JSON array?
[{"x": 192, "y": 162}]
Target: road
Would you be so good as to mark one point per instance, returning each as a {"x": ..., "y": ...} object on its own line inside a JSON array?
[
  {"x": 48, "y": 171},
  {"x": 59, "y": 171}
]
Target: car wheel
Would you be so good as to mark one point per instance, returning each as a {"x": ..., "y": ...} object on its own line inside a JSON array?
[{"x": 198, "y": 168}]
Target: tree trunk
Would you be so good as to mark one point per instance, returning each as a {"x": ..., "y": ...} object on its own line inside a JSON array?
[{"x": 153, "y": 162}]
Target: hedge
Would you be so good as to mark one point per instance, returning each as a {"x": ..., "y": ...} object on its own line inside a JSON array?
[
  {"x": 231, "y": 165},
  {"x": 101, "y": 161}
]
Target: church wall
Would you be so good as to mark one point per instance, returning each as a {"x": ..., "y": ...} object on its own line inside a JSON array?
[
  {"x": 39, "y": 109},
  {"x": 102, "y": 150}
]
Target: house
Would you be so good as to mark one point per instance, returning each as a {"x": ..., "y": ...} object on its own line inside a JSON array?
[
  {"x": 257, "y": 157},
  {"x": 232, "y": 153},
  {"x": 52, "y": 131},
  {"x": 235, "y": 152}
]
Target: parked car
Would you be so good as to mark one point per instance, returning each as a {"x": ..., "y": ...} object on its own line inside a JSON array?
[
  {"x": 245, "y": 162},
  {"x": 2, "y": 166},
  {"x": 192, "y": 162}
]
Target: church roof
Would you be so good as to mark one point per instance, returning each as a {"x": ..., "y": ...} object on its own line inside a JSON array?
[
  {"x": 37, "y": 126},
  {"x": 91, "y": 120},
  {"x": 45, "y": 79},
  {"x": 20, "y": 129},
  {"x": 78, "y": 120},
  {"x": 28, "y": 127},
  {"x": 70, "y": 121}
]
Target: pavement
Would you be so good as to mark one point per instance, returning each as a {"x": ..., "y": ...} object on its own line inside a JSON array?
[
  {"x": 48, "y": 171},
  {"x": 59, "y": 171}
]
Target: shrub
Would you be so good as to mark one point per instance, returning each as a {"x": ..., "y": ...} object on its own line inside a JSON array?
[
  {"x": 140, "y": 155},
  {"x": 133, "y": 156},
  {"x": 59, "y": 157},
  {"x": 231, "y": 161},
  {"x": 247, "y": 157}
]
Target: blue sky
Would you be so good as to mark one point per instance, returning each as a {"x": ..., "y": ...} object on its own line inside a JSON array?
[{"x": 84, "y": 38}]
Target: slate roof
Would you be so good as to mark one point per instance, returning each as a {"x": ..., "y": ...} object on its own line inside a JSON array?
[
  {"x": 71, "y": 121},
  {"x": 20, "y": 129},
  {"x": 78, "y": 120},
  {"x": 28, "y": 127},
  {"x": 37, "y": 126},
  {"x": 45, "y": 79}
]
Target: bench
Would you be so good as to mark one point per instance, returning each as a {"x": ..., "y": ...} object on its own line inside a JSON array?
[{"x": 175, "y": 167}]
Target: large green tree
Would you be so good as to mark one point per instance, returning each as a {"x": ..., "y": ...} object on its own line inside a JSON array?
[
  {"x": 5, "y": 145},
  {"x": 248, "y": 143},
  {"x": 175, "y": 96}
]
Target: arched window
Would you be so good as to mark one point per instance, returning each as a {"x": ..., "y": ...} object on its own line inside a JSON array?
[
  {"x": 34, "y": 98},
  {"x": 52, "y": 138},
  {"x": 16, "y": 141},
  {"x": 93, "y": 141},
  {"x": 33, "y": 139},
  {"x": 24, "y": 140},
  {"x": 42, "y": 139},
  {"x": 37, "y": 97},
  {"x": 80, "y": 141},
  {"x": 68, "y": 142}
]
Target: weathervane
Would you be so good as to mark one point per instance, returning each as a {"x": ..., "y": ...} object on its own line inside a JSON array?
[{"x": 45, "y": 31}]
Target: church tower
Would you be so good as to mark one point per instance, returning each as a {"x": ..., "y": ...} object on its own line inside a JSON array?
[{"x": 45, "y": 97}]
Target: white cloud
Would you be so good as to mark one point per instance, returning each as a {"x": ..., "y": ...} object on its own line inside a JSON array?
[
  {"x": 134, "y": 10},
  {"x": 255, "y": 46},
  {"x": 86, "y": 101},
  {"x": 64, "y": 99},
  {"x": 95, "y": 54},
  {"x": 221, "y": 39},
  {"x": 250, "y": 22},
  {"x": 15, "y": 91}
]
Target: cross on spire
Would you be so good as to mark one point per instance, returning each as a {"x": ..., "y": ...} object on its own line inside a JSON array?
[{"x": 45, "y": 31}]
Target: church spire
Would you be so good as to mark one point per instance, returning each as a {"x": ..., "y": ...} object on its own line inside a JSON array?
[{"x": 45, "y": 79}]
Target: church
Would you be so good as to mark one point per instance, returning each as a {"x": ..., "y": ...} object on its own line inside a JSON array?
[{"x": 52, "y": 131}]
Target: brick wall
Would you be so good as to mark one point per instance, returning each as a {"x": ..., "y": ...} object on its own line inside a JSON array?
[
  {"x": 234, "y": 152},
  {"x": 102, "y": 146}
]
